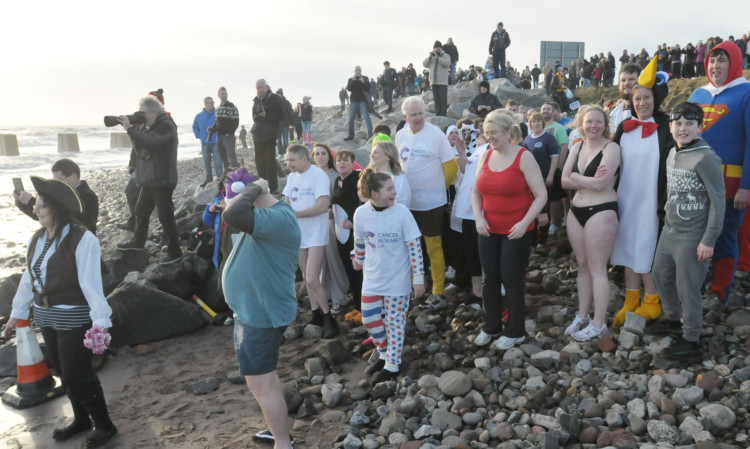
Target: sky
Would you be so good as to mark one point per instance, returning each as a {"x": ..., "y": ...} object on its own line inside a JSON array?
[{"x": 71, "y": 63}]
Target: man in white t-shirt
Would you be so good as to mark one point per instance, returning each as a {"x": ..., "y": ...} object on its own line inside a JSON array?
[
  {"x": 628, "y": 77},
  {"x": 308, "y": 191},
  {"x": 430, "y": 166}
]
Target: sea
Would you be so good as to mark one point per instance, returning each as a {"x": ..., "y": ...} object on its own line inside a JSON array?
[{"x": 38, "y": 151}]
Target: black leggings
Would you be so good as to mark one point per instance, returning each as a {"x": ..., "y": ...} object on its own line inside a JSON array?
[
  {"x": 471, "y": 249},
  {"x": 354, "y": 276},
  {"x": 72, "y": 361},
  {"x": 504, "y": 261}
]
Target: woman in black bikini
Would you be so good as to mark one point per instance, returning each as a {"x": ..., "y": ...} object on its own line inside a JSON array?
[{"x": 592, "y": 170}]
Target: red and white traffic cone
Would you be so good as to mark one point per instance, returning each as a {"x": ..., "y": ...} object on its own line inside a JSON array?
[{"x": 35, "y": 383}]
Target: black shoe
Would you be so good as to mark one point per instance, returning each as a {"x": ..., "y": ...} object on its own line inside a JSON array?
[
  {"x": 128, "y": 246},
  {"x": 330, "y": 326},
  {"x": 125, "y": 226},
  {"x": 100, "y": 436},
  {"x": 664, "y": 327},
  {"x": 316, "y": 318},
  {"x": 377, "y": 366},
  {"x": 265, "y": 436},
  {"x": 81, "y": 423},
  {"x": 170, "y": 260},
  {"x": 349, "y": 137},
  {"x": 203, "y": 184},
  {"x": 383, "y": 376},
  {"x": 684, "y": 350}
]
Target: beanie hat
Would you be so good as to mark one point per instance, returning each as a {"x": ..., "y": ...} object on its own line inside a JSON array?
[
  {"x": 484, "y": 83},
  {"x": 437, "y": 44},
  {"x": 380, "y": 137},
  {"x": 159, "y": 94},
  {"x": 237, "y": 180}
]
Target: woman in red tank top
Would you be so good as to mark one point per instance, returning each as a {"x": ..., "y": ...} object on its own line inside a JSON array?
[{"x": 509, "y": 193}]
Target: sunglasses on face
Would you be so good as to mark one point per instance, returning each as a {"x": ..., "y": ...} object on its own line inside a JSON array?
[{"x": 686, "y": 115}]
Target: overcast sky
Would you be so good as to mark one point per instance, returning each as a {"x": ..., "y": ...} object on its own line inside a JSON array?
[{"x": 70, "y": 63}]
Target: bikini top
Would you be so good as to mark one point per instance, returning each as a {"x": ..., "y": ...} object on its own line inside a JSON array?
[{"x": 591, "y": 168}]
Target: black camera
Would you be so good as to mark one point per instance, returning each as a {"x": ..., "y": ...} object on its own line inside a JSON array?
[{"x": 136, "y": 118}]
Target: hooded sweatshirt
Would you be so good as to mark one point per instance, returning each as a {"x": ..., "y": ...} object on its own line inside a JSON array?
[
  {"x": 726, "y": 121},
  {"x": 695, "y": 193}
]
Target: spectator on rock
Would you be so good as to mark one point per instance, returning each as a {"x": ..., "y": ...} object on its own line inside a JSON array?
[
  {"x": 227, "y": 121},
  {"x": 535, "y": 72},
  {"x": 359, "y": 86},
  {"x": 675, "y": 54},
  {"x": 452, "y": 51},
  {"x": 305, "y": 113},
  {"x": 411, "y": 80},
  {"x": 344, "y": 98},
  {"x": 688, "y": 67},
  {"x": 499, "y": 42},
  {"x": 268, "y": 112},
  {"x": 209, "y": 150},
  {"x": 700, "y": 57},
  {"x": 438, "y": 62},
  {"x": 390, "y": 80},
  {"x": 557, "y": 88},
  {"x": 282, "y": 138},
  {"x": 484, "y": 102}
]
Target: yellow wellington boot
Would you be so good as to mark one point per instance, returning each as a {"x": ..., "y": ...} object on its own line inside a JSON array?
[
  {"x": 651, "y": 308},
  {"x": 632, "y": 301}
]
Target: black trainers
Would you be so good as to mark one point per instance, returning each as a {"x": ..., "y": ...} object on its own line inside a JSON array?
[
  {"x": 128, "y": 246},
  {"x": 664, "y": 327},
  {"x": 349, "y": 137},
  {"x": 383, "y": 376},
  {"x": 125, "y": 226},
  {"x": 377, "y": 366},
  {"x": 684, "y": 350},
  {"x": 170, "y": 260}
]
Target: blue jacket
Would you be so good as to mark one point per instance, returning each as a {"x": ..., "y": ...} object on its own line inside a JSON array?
[
  {"x": 201, "y": 123},
  {"x": 213, "y": 219}
]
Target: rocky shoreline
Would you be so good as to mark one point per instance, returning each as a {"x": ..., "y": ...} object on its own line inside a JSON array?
[{"x": 549, "y": 392}]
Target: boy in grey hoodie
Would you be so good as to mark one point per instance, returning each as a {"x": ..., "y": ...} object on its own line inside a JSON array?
[{"x": 693, "y": 221}]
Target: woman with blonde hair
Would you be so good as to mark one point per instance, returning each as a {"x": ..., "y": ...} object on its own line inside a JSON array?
[
  {"x": 384, "y": 158},
  {"x": 592, "y": 170}
]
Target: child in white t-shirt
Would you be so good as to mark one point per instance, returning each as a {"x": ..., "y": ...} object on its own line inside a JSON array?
[{"x": 386, "y": 246}]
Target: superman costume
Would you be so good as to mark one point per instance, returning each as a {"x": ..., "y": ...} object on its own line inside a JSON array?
[{"x": 726, "y": 125}]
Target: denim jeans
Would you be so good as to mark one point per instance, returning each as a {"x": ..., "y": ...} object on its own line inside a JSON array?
[
  {"x": 452, "y": 79},
  {"x": 282, "y": 140},
  {"x": 211, "y": 151},
  {"x": 388, "y": 97},
  {"x": 306, "y": 126},
  {"x": 226, "y": 151},
  {"x": 360, "y": 106}
]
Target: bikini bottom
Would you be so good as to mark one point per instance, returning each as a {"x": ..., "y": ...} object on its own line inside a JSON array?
[{"x": 582, "y": 214}]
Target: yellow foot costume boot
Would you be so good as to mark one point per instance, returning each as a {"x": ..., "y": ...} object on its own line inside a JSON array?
[
  {"x": 651, "y": 308},
  {"x": 632, "y": 301}
]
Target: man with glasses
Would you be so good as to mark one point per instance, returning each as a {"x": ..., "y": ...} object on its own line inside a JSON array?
[{"x": 209, "y": 150}]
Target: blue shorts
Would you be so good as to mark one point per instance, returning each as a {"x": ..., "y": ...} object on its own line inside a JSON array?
[{"x": 257, "y": 348}]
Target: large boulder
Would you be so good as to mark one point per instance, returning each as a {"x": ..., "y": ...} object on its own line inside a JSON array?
[
  {"x": 458, "y": 110},
  {"x": 179, "y": 279},
  {"x": 119, "y": 263},
  {"x": 440, "y": 121},
  {"x": 208, "y": 291},
  {"x": 141, "y": 314},
  {"x": 8, "y": 287},
  {"x": 461, "y": 95}
]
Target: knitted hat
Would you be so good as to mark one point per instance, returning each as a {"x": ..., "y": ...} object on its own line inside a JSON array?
[
  {"x": 437, "y": 44},
  {"x": 380, "y": 137},
  {"x": 159, "y": 94},
  {"x": 59, "y": 192},
  {"x": 236, "y": 181}
]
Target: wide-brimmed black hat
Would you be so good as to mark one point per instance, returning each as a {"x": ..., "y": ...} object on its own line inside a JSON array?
[{"x": 60, "y": 192}]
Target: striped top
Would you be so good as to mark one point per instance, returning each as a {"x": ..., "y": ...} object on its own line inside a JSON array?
[{"x": 62, "y": 318}]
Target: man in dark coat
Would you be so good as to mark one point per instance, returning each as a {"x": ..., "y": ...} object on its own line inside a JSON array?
[
  {"x": 452, "y": 51},
  {"x": 155, "y": 148},
  {"x": 268, "y": 112}
]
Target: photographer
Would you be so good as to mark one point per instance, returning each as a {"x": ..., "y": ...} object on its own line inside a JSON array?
[
  {"x": 268, "y": 112},
  {"x": 155, "y": 149},
  {"x": 439, "y": 64}
]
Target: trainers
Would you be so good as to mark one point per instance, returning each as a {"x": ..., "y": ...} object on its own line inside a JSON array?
[
  {"x": 450, "y": 273},
  {"x": 125, "y": 226},
  {"x": 383, "y": 376},
  {"x": 335, "y": 308},
  {"x": 482, "y": 339},
  {"x": 577, "y": 324},
  {"x": 504, "y": 342},
  {"x": 377, "y": 366},
  {"x": 664, "y": 327},
  {"x": 452, "y": 288},
  {"x": 349, "y": 137},
  {"x": 170, "y": 260},
  {"x": 589, "y": 332},
  {"x": 434, "y": 302},
  {"x": 552, "y": 229},
  {"x": 128, "y": 246},
  {"x": 741, "y": 275}
]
